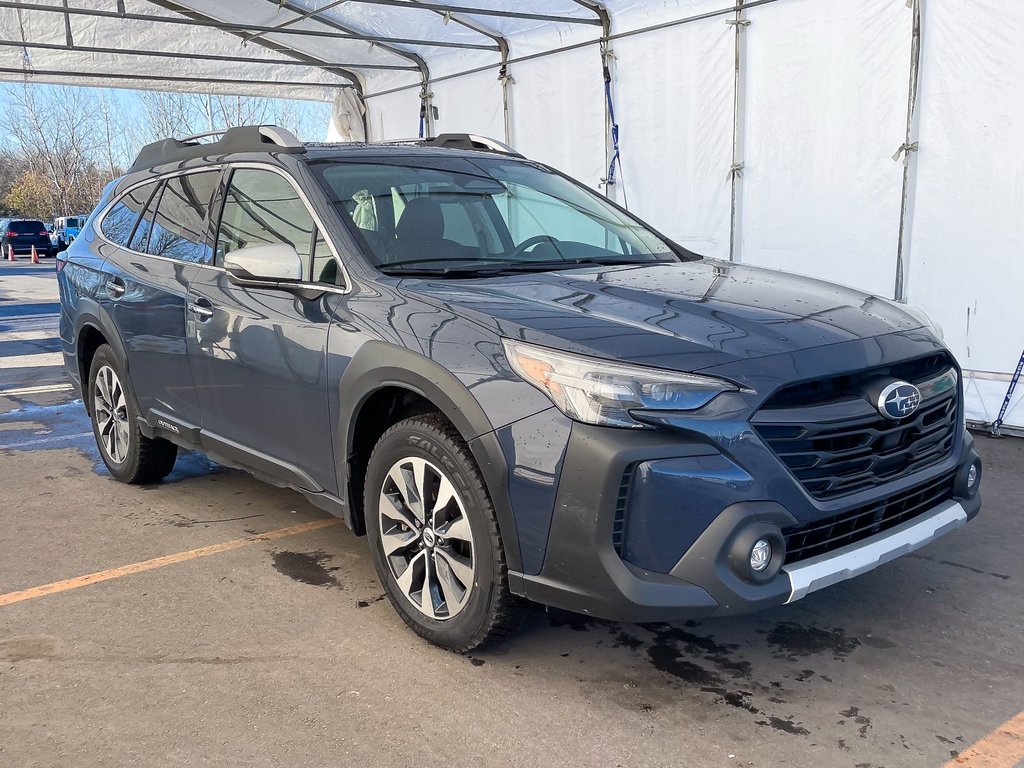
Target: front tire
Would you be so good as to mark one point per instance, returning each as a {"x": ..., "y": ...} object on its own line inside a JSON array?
[
  {"x": 129, "y": 455},
  {"x": 434, "y": 536}
]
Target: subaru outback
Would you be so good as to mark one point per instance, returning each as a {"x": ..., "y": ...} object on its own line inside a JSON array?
[{"x": 512, "y": 386}]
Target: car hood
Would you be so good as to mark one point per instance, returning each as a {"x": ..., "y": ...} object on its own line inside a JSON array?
[{"x": 681, "y": 316}]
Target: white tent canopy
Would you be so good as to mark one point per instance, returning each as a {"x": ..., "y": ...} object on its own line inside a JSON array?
[{"x": 764, "y": 133}]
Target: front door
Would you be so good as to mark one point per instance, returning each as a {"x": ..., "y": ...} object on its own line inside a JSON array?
[{"x": 259, "y": 355}]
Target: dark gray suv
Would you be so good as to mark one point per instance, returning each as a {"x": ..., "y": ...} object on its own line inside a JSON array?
[{"x": 512, "y": 386}]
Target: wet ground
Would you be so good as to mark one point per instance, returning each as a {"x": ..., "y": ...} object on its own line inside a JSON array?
[{"x": 283, "y": 651}]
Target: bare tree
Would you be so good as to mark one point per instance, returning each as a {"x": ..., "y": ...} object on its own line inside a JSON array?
[{"x": 54, "y": 132}]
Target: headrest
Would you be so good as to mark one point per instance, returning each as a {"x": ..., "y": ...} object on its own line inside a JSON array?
[{"x": 421, "y": 220}]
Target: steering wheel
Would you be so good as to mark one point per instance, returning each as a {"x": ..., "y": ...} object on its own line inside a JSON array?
[{"x": 530, "y": 242}]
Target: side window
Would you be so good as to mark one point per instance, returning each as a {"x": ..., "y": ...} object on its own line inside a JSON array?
[
  {"x": 141, "y": 237},
  {"x": 179, "y": 226},
  {"x": 120, "y": 220},
  {"x": 262, "y": 208}
]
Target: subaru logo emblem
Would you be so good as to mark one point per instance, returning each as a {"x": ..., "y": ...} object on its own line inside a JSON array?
[{"x": 899, "y": 400}]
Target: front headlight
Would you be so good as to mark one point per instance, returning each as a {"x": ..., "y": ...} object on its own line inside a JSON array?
[
  {"x": 922, "y": 317},
  {"x": 600, "y": 392}
]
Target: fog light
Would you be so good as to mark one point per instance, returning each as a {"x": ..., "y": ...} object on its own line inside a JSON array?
[
  {"x": 760, "y": 555},
  {"x": 972, "y": 477}
]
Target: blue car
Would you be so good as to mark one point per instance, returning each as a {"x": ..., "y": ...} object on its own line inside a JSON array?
[{"x": 515, "y": 389}]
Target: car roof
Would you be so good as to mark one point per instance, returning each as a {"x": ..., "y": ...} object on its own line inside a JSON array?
[{"x": 272, "y": 140}]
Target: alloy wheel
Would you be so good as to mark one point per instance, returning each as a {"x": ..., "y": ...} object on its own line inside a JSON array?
[
  {"x": 110, "y": 410},
  {"x": 426, "y": 537}
]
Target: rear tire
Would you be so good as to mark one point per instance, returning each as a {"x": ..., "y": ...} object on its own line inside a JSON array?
[
  {"x": 434, "y": 536},
  {"x": 129, "y": 455}
]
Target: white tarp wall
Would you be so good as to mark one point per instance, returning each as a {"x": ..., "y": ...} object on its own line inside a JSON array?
[
  {"x": 787, "y": 164},
  {"x": 824, "y": 92}
]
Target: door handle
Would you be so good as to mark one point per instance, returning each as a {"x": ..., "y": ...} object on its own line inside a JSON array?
[
  {"x": 116, "y": 287},
  {"x": 202, "y": 309}
]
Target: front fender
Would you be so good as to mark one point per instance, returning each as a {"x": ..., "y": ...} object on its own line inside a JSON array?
[{"x": 378, "y": 365}]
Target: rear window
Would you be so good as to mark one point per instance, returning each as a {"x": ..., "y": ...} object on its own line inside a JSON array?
[
  {"x": 119, "y": 221},
  {"x": 74, "y": 223},
  {"x": 27, "y": 226},
  {"x": 179, "y": 227}
]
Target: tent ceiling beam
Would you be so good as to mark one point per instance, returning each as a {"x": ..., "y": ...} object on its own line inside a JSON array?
[
  {"x": 603, "y": 15},
  {"x": 128, "y": 77},
  {"x": 747, "y": 4},
  {"x": 445, "y": 8},
  {"x": 245, "y": 29},
  {"x": 418, "y": 60},
  {"x": 276, "y": 47},
  {"x": 200, "y": 56},
  {"x": 474, "y": 25},
  {"x": 426, "y": 118},
  {"x": 303, "y": 16}
]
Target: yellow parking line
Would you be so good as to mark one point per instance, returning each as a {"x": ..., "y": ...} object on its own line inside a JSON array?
[
  {"x": 159, "y": 562},
  {"x": 1003, "y": 748}
]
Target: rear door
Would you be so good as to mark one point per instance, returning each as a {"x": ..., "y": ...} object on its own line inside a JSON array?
[
  {"x": 259, "y": 354},
  {"x": 147, "y": 285}
]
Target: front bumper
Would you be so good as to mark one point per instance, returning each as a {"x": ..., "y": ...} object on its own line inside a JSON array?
[{"x": 705, "y": 510}]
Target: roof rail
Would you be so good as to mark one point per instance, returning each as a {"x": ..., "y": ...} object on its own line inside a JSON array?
[
  {"x": 460, "y": 141},
  {"x": 244, "y": 138},
  {"x": 469, "y": 141}
]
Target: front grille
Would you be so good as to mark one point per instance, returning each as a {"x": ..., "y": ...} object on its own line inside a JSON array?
[
  {"x": 619, "y": 520},
  {"x": 832, "y": 388},
  {"x": 811, "y": 539},
  {"x": 834, "y": 458}
]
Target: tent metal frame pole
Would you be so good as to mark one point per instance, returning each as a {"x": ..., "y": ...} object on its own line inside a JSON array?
[
  {"x": 67, "y": 25},
  {"x": 245, "y": 29},
  {"x": 736, "y": 169},
  {"x": 352, "y": 75},
  {"x": 504, "y": 75},
  {"x": 165, "y": 78},
  {"x": 415, "y": 58},
  {"x": 198, "y": 56},
  {"x": 908, "y": 149},
  {"x": 446, "y": 8},
  {"x": 304, "y": 16},
  {"x": 607, "y": 57},
  {"x": 575, "y": 46}
]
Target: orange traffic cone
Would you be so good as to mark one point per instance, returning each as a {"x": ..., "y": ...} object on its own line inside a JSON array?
[
  {"x": 10, "y": 252},
  {"x": 35, "y": 256}
]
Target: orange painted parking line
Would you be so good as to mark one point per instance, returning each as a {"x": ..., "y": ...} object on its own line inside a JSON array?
[
  {"x": 1003, "y": 748},
  {"x": 160, "y": 562}
]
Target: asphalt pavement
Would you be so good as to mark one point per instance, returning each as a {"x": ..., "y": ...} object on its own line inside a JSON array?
[{"x": 215, "y": 620}]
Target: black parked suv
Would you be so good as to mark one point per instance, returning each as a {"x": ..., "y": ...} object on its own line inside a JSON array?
[
  {"x": 512, "y": 386},
  {"x": 22, "y": 235}
]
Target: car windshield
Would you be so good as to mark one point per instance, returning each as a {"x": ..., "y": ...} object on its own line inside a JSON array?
[
  {"x": 26, "y": 226},
  {"x": 458, "y": 215}
]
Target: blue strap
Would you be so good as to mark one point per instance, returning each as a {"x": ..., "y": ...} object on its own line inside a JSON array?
[
  {"x": 616, "y": 156},
  {"x": 1009, "y": 395}
]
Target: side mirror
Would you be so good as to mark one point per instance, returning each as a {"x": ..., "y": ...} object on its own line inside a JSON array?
[{"x": 264, "y": 264}]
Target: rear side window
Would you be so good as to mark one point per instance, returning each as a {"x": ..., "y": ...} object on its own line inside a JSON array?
[
  {"x": 119, "y": 221},
  {"x": 179, "y": 225},
  {"x": 263, "y": 208}
]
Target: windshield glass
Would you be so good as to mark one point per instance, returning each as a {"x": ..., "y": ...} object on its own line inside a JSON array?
[{"x": 448, "y": 215}]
